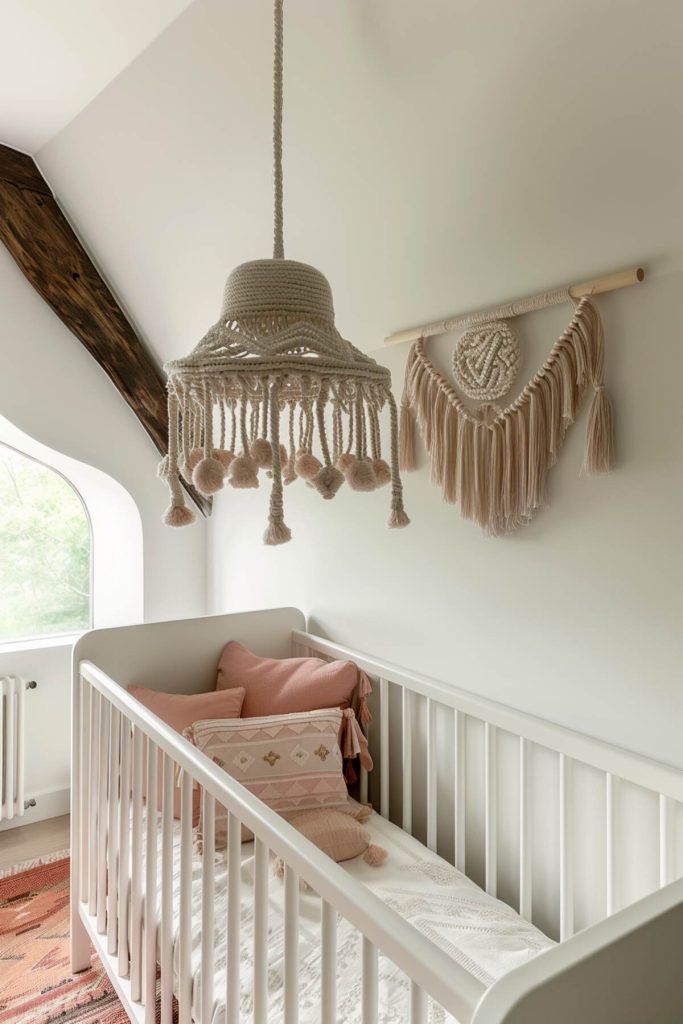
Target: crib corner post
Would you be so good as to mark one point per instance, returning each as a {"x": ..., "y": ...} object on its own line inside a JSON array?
[{"x": 80, "y": 940}]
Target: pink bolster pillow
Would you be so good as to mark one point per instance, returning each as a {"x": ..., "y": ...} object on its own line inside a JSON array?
[
  {"x": 180, "y": 710},
  {"x": 284, "y": 686}
]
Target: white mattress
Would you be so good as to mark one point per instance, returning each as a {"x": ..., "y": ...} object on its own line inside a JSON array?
[{"x": 482, "y": 934}]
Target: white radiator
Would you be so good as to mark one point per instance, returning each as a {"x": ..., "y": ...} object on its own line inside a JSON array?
[{"x": 12, "y": 748}]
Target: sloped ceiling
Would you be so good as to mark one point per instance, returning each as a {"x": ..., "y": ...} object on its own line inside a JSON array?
[
  {"x": 57, "y": 56},
  {"x": 439, "y": 155}
]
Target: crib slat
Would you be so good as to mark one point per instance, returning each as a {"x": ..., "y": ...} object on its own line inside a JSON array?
[
  {"x": 112, "y": 830},
  {"x": 167, "y": 893},
  {"x": 459, "y": 788},
  {"x": 328, "y": 965},
  {"x": 232, "y": 996},
  {"x": 124, "y": 847},
  {"x": 667, "y": 850},
  {"x": 566, "y": 849},
  {"x": 431, "y": 775},
  {"x": 524, "y": 844},
  {"x": 208, "y": 896},
  {"x": 151, "y": 829},
  {"x": 418, "y": 1004},
  {"x": 185, "y": 910},
  {"x": 369, "y": 983},
  {"x": 136, "y": 872},
  {"x": 491, "y": 839},
  {"x": 610, "y": 788},
  {"x": 384, "y": 747},
  {"x": 93, "y": 770},
  {"x": 407, "y": 746},
  {"x": 84, "y": 780},
  {"x": 102, "y": 746},
  {"x": 291, "y": 1001},
  {"x": 260, "y": 994}
]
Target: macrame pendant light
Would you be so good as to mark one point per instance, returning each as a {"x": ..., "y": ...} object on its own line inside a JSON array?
[{"x": 274, "y": 390}]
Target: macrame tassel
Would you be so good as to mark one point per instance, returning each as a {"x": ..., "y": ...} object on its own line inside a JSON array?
[
  {"x": 599, "y": 456},
  {"x": 243, "y": 472},
  {"x": 407, "y": 450},
  {"x": 177, "y": 513},
  {"x": 208, "y": 474},
  {"x": 364, "y": 691},
  {"x": 277, "y": 531},
  {"x": 398, "y": 517}
]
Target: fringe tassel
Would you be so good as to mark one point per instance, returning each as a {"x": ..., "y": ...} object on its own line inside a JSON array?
[
  {"x": 599, "y": 456},
  {"x": 407, "y": 443}
]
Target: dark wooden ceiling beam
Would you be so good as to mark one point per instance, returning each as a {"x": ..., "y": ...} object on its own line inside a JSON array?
[{"x": 44, "y": 245}]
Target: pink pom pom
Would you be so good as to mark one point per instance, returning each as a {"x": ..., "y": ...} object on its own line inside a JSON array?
[
  {"x": 375, "y": 855},
  {"x": 307, "y": 466},
  {"x": 345, "y": 460},
  {"x": 328, "y": 481},
  {"x": 224, "y": 457},
  {"x": 360, "y": 475},
  {"x": 261, "y": 452},
  {"x": 382, "y": 472},
  {"x": 208, "y": 476},
  {"x": 243, "y": 472}
]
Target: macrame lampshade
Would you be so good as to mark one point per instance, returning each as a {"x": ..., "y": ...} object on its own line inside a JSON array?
[{"x": 275, "y": 354}]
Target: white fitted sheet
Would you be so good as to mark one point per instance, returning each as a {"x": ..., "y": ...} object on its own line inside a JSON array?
[{"x": 484, "y": 935}]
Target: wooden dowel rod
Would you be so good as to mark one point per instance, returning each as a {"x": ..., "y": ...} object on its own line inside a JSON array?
[{"x": 598, "y": 285}]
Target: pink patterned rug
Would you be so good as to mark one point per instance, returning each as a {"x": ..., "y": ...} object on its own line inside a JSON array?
[{"x": 36, "y": 983}]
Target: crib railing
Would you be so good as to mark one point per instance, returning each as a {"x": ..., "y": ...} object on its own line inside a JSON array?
[
  {"x": 123, "y": 755},
  {"x": 570, "y": 748}
]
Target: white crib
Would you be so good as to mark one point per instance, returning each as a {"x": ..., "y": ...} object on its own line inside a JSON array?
[{"x": 625, "y": 968}]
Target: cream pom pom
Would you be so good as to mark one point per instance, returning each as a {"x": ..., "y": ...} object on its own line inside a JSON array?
[
  {"x": 360, "y": 475},
  {"x": 188, "y": 467},
  {"x": 261, "y": 452},
  {"x": 243, "y": 472},
  {"x": 328, "y": 481},
  {"x": 307, "y": 466},
  {"x": 178, "y": 515},
  {"x": 344, "y": 461},
  {"x": 382, "y": 472},
  {"x": 223, "y": 456},
  {"x": 208, "y": 476}
]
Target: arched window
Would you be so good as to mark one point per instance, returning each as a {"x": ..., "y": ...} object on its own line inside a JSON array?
[{"x": 45, "y": 551}]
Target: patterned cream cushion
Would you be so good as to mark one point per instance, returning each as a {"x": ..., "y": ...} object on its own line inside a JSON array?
[{"x": 291, "y": 762}]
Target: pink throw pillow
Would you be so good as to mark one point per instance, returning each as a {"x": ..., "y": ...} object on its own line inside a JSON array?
[
  {"x": 291, "y": 762},
  {"x": 180, "y": 710},
  {"x": 282, "y": 686}
]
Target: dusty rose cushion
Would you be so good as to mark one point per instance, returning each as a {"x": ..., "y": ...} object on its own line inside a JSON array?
[
  {"x": 281, "y": 686},
  {"x": 179, "y": 710},
  {"x": 340, "y": 835},
  {"x": 291, "y": 762}
]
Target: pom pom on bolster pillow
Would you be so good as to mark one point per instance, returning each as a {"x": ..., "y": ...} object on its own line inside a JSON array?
[{"x": 338, "y": 834}]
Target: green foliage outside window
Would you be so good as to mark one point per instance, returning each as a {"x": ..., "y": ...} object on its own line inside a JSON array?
[{"x": 44, "y": 552}]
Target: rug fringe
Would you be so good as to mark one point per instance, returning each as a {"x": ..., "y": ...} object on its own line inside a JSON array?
[{"x": 26, "y": 865}]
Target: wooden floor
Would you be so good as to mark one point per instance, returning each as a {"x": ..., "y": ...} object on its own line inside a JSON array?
[{"x": 29, "y": 842}]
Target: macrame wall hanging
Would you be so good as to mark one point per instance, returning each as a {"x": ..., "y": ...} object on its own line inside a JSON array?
[
  {"x": 274, "y": 354},
  {"x": 495, "y": 461}
]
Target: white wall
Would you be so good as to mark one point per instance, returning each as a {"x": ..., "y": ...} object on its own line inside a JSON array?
[
  {"x": 439, "y": 156},
  {"x": 52, "y": 389}
]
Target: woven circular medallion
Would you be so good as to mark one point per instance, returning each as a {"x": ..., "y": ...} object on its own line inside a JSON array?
[{"x": 486, "y": 361}]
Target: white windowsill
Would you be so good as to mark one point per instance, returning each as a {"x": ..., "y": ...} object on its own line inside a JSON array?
[{"x": 40, "y": 643}]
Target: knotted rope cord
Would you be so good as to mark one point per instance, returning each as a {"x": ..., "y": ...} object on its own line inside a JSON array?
[{"x": 278, "y": 241}]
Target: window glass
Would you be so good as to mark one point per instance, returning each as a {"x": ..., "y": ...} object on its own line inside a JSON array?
[{"x": 45, "y": 552}]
